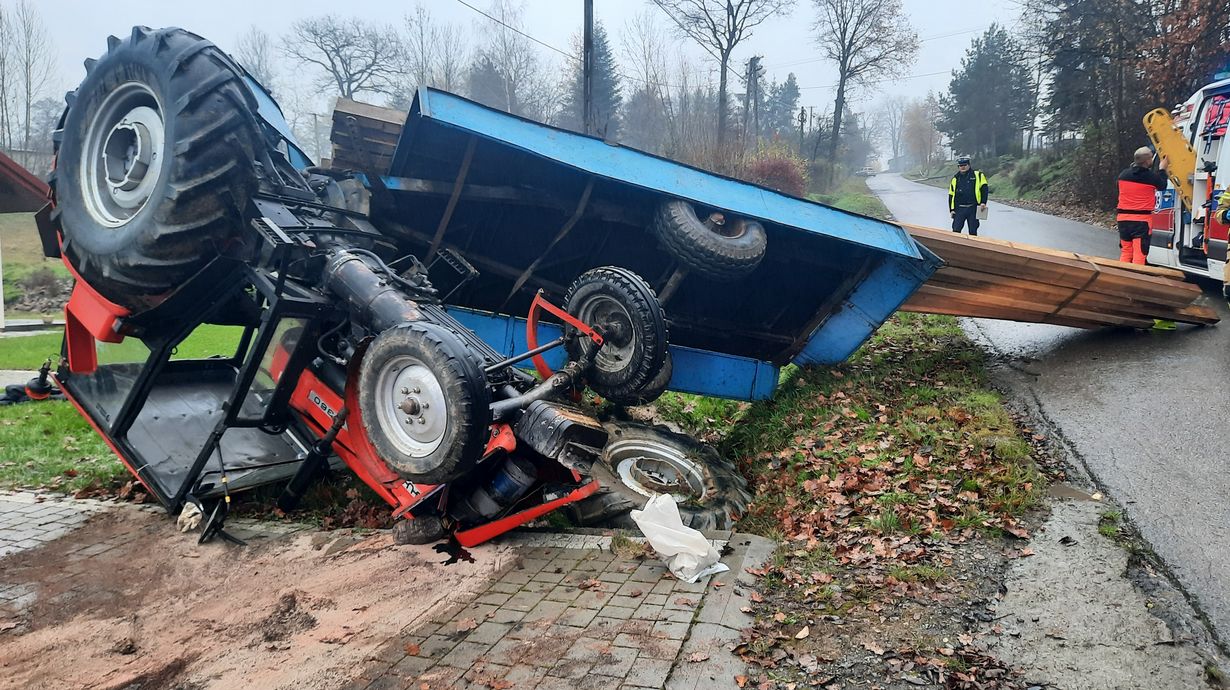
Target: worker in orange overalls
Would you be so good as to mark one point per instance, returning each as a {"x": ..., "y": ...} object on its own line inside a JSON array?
[{"x": 1137, "y": 187}]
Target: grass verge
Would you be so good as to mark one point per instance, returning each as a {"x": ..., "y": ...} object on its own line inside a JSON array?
[
  {"x": 49, "y": 445},
  {"x": 30, "y": 351}
]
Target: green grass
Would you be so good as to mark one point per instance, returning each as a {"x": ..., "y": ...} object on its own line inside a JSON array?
[
  {"x": 1108, "y": 524},
  {"x": 30, "y": 351},
  {"x": 854, "y": 196},
  {"x": 50, "y": 445},
  {"x": 21, "y": 253}
]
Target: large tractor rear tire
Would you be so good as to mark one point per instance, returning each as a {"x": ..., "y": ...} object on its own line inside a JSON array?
[{"x": 155, "y": 164}]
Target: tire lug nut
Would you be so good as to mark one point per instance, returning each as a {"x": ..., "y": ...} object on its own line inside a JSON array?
[
  {"x": 422, "y": 420},
  {"x": 405, "y": 391}
]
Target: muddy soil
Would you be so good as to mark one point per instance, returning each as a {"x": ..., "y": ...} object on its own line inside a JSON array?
[{"x": 155, "y": 610}]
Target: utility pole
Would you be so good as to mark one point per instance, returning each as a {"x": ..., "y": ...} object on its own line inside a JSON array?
[
  {"x": 587, "y": 67},
  {"x": 802, "y": 121}
]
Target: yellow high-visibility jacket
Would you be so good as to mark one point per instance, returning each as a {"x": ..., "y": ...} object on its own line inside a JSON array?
[
  {"x": 980, "y": 189},
  {"x": 1223, "y": 207}
]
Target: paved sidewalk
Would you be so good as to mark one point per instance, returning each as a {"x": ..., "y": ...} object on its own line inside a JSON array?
[
  {"x": 29, "y": 519},
  {"x": 580, "y": 618},
  {"x": 567, "y": 614}
]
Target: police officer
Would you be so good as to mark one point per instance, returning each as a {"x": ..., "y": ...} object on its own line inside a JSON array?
[{"x": 967, "y": 193}]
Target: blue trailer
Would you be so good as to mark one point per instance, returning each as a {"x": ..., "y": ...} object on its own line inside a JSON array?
[{"x": 533, "y": 206}]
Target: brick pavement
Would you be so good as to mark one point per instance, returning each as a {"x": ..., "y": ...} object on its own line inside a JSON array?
[
  {"x": 569, "y": 614},
  {"x": 576, "y": 616},
  {"x": 28, "y": 519}
]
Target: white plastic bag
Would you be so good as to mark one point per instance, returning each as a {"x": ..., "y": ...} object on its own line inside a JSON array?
[{"x": 687, "y": 553}]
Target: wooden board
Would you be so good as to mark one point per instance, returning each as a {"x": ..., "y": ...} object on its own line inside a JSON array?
[
  {"x": 997, "y": 279},
  {"x": 364, "y": 136}
]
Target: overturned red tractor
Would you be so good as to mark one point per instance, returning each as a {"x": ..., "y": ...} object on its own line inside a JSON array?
[{"x": 180, "y": 199}]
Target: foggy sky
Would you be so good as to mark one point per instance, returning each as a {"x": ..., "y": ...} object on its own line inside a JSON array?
[{"x": 79, "y": 29}]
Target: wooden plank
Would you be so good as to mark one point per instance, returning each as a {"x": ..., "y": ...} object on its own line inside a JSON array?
[{"x": 370, "y": 112}]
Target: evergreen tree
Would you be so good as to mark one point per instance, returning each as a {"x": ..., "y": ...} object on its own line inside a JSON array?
[
  {"x": 488, "y": 85},
  {"x": 607, "y": 98},
  {"x": 782, "y": 109},
  {"x": 986, "y": 106}
]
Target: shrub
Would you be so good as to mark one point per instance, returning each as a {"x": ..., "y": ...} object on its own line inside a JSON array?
[
  {"x": 777, "y": 168},
  {"x": 1028, "y": 175}
]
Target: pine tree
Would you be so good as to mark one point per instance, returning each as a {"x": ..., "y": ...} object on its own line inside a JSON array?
[
  {"x": 607, "y": 98},
  {"x": 986, "y": 107},
  {"x": 781, "y": 118},
  {"x": 487, "y": 85}
]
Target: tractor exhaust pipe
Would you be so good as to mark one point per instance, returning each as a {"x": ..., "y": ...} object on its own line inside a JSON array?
[{"x": 369, "y": 291}]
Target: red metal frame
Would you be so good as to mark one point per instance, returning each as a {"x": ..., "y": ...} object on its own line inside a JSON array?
[
  {"x": 541, "y": 303},
  {"x": 477, "y": 535}
]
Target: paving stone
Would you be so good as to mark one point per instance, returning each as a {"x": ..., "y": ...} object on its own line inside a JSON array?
[
  {"x": 592, "y": 599},
  {"x": 525, "y": 676},
  {"x": 518, "y": 577},
  {"x": 493, "y": 598},
  {"x": 488, "y": 633},
  {"x": 587, "y": 649},
  {"x": 626, "y": 640},
  {"x": 412, "y": 666},
  {"x": 625, "y": 602},
  {"x": 439, "y": 677},
  {"x": 718, "y": 670},
  {"x": 577, "y": 617},
  {"x": 548, "y": 576},
  {"x": 650, "y": 673},
  {"x": 546, "y": 611},
  {"x": 539, "y": 587},
  {"x": 570, "y": 668},
  {"x": 636, "y": 627},
  {"x": 617, "y": 612},
  {"x": 604, "y": 628},
  {"x": 517, "y": 652},
  {"x": 564, "y": 593},
  {"x": 436, "y": 647},
  {"x": 674, "y": 631},
  {"x": 665, "y": 587},
  {"x": 657, "y": 599},
  {"x": 648, "y": 613},
  {"x": 678, "y": 615},
  {"x": 476, "y": 610},
  {"x": 613, "y": 577},
  {"x": 633, "y": 589},
  {"x": 526, "y": 630},
  {"x": 465, "y": 654},
  {"x": 614, "y": 662},
  {"x": 682, "y": 602},
  {"x": 660, "y": 648},
  {"x": 503, "y": 586},
  {"x": 522, "y": 601},
  {"x": 506, "y": 615},
  {"x": 648, "y": 573}
]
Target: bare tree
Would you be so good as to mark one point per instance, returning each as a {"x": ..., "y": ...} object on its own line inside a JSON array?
[
  {"x": 719, "y": 26},
  {"x": 454, "y": 57},
  {"x": 356, "y": 57},
  {"x": 889, "y": 121},
  {"x": 6, "y": 79},
  {"x": 254, "y": 51},
  {"x": 512, "y": 55},
  {"x": 422, "y": 44},
  {"x": 869, "y": 40},
  {"x": 33, "y": 57}
]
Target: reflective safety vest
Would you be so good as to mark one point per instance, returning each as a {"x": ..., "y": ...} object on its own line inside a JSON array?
[
  {"x": 1137, "y": 188},
  {"x": 980, "y": 183},
  {"x": 1222, "y": 215}
]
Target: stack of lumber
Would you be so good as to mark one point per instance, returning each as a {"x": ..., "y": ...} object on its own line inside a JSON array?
[
  {"x": 995, "y": 279},
  {"x": 364, "y": 136}
]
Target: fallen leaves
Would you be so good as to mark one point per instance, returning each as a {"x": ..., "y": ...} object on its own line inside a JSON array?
[
  {"x": 412, "y": 649},
  {"x": 466, "y": 625},
  {"x": 592, "y": 583},
  {"x": 697, "y": 657},
  {"x": 802, "y": 633}
]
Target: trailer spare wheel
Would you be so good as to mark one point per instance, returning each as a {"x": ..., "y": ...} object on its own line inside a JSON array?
[
  {"x": 713, "y": 244},
  {"x": 624, "y": 309},
  {"x": 424, "y": 402},
  {"x": 641, "y": 460},
  {"x": 155, "y": 163}
]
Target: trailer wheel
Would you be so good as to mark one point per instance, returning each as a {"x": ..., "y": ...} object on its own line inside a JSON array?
[
  {"x": 718, "y": 247},
  {"x": 652, "y": 390},
  {"x": 155, "y": 163},
  {"x": 640, "y": 460},
  {"x": 424, "y": 402},
  {"x": 623, "y": 306}
]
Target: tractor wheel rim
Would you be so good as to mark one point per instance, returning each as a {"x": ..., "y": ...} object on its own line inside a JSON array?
[
  {"x": 411, "y": 406},
  {"x": 648, "y": 468},
  {"x": 619, "y": 336},
  {"x": 125, "y": 146}
]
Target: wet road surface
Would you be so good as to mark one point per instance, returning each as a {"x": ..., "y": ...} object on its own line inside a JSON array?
[{"x": 1145, "y": 411}]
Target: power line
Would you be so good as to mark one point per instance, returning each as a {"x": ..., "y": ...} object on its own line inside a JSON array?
[
  {"x": 805, "y": 61},
  {"x": 519, "y": 31},
  {"x": 880, "y": 81}
]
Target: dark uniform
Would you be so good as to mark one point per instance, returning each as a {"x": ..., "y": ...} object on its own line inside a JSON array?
[
  {"x": 1137, "y": 188},
  {"x": 966, "y": 192}
]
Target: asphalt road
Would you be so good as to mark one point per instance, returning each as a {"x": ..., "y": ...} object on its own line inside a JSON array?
[{"x": 1145, "y": 411}]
